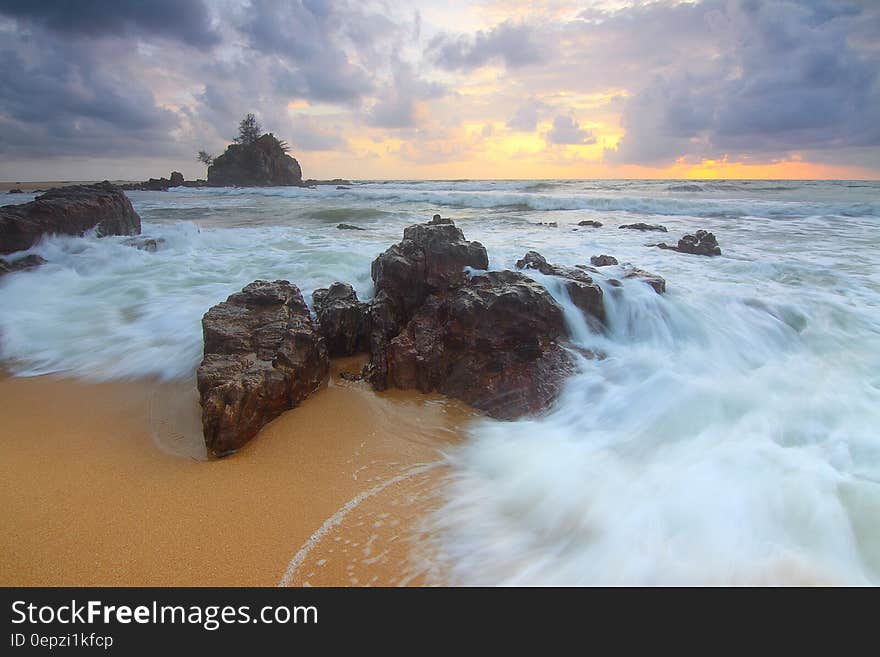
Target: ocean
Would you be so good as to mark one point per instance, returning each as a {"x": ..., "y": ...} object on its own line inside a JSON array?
[{"x": 730, "y": 434}]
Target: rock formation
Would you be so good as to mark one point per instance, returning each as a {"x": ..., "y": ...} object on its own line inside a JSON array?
[
  {"x": 69, "y": 210},
  {"x": 492, "y": 342},
  {"x": 263, "y": 163},
  {"x": 701, "y": 243},
  {"x": 262, "y": 357},
  {"x": 643, "y": 227},
  {"x": 603, "y": 260},
  {"x": 590, "y": 223},
  {"x": 349, "y": 227},
  {"x": 582, "y": 290},
  {"x": 22, "y": 264},
  {"x": 342, "y": 319}
]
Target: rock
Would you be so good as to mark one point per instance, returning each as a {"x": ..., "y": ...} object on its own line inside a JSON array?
[
  {"x": 431, "y": 258},
  {"x": 342, "y": 319},
  {"x": 342, "y": 187},
  {"x": 384, "y": 321},
  {"x": 549, "y": 224},
  {"x": 603, "y": 260},
  {"x": 22, "y": 264},
  {"x": 16, "y": 190},
  {"x": 590, "y": 223},
  {"x": 69, "y": 210},
  {"x": 141, "y": 243},
  {"x": 263, "y": 356},
  {"x": 641, "y": 226},
  {"x": 176, "y": 179},
  {"x": 194, "y": 183},
  {"x": 701, "y": 243},
  {"x": 349, "y": 227},
  {"x": 582, "y": 290},
  {"x": 656, "y": 282},
  {"x": 492, "y": 342},
  {"x": 259, "y": 164}
]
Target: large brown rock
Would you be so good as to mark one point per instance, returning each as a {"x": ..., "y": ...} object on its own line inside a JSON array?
[
  {"x": 69, "y": 210},
  {"x": 493, "y": 343},
  {"x": 582, "y": 290},
  {"x": 259, "y": 164},
  {"x": 342, "y": 319},
  {"x": 262, "y": 357}
]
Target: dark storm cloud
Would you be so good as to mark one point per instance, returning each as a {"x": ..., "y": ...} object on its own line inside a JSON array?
[
  {"x": 514, "y": 45},
  {"x": 189, "y": 22}
]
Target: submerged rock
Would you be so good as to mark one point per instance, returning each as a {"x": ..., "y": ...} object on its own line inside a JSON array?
[
  {"x": 259, "y": 164},
  {"x": 590, "y": 223},
  {"x": 349, "y": 227},
  {"x": 263, "y": 356},
  {"x": 655, "y": 281},
  {"x": 148, "y": 244},
  {"x": 342, "y": 319},
  {"x": 643, "y": 227},
  {"x": 582, "y": 290},
  {"x": 603, "y": 260},
  {"x": 701, "y": 243},
  {"x": 16, "y": 190},
  {"x": 492, "y": 342},
  {"x": 22, "y": 264},
  {"x": 68, "y": 210}
]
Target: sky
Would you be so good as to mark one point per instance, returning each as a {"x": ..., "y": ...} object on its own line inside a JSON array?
[{"x": 367, "y": 89}]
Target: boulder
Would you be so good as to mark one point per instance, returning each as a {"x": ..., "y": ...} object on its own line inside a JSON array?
[
  {"x": 431, "y": 258},
  {"x": 643, "y": 227},
  {"x": 590, "y": 223},
  {"x": 603, "y": 260},
  {"x": 22, "y": 264},
  {"x": 492, "y": 342},
  {"x": 342, "y": 319},
  {"x": 263, "y": 356},
  {"x": 701, "y": 243},
  {"x": 655, "y": 281},
  {"x": 259, "y": 164},
  {"x": 148, "y": 244},
  {"x": 69, "y": 210},
  {"x": 582, "y": 290}
]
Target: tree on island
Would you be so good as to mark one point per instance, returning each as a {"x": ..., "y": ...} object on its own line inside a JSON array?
[
  {"x": 249, "y": 130},
  {"x": 206, "y": 158}
]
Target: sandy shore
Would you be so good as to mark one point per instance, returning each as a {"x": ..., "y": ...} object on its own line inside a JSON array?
[{"x": 106, "y": 484}]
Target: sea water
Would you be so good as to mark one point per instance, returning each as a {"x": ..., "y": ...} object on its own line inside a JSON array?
[{"x": 729, "y": 435}]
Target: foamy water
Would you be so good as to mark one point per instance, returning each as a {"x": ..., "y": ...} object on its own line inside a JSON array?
[{"x": 730, "y": 436}]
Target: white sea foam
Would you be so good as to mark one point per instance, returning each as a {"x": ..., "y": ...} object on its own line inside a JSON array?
[{"x": 728, "y": 436}]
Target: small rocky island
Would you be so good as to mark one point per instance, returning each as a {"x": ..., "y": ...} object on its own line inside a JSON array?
[{"x": 263, "y": 162}]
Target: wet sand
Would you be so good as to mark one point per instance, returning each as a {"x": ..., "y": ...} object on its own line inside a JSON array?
[{"x": 107, "y": 484}]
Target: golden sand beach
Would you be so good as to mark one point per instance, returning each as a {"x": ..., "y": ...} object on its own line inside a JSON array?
[{"x": 107, "y": 484}]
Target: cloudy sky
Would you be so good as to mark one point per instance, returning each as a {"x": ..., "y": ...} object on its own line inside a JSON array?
[{"x": 128, "y": 89}]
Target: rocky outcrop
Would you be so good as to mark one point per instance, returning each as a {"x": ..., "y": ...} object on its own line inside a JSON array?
[
  {"x": 68, "y": 210},
  {"x": 22, "y": 264},
  {"x": 342, "y": 319},
  {"x": 158, "y": 184},
  {"x": 582, "y": 290},
  {"x": 263, "y": 163},
  {"x": 431, "y": 258},
  {"x": 701, "y": 243},
  {"x": 644, "y": 227},
  {"x": 590, "y": 223},
  {"x": 603, "y": 260},
  {"x": 263, "y": 356},
  {"x": 655, "y": 281},
  {"x": 492, "y": 342}
]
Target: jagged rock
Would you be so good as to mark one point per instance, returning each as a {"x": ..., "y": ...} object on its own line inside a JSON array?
[
  {"x": 69, "y": 210},
  {"x": 701, "y": 243},
  {"x": 349, "y": 227},
  {"x": 643, "y": 227},
  {"x": 22, "y": 264},
  {"x": 342, "y": 319},
  {"x": 259, "y": 164},
  {"x": 431, "y": 258},
  {"x": 582, "y": 290},
  {"x": 590, "y": 223},
  {"x": 603, "y": 260},
  {"x": 176, "y": 179},
  {"x": 263, "y": 356},
  {"x": 492, "y": 342}
]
